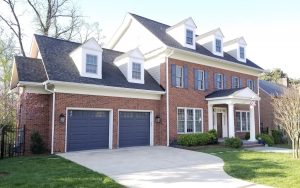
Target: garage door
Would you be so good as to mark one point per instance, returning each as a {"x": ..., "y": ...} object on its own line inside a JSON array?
[
  {"x": 134, "y": 129},
  {"x": 87, "y": 130}
]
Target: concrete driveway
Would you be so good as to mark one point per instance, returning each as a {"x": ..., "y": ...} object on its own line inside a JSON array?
[{"x": 158, "y": 166}]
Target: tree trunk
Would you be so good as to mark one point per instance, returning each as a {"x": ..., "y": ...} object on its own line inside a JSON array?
[{"x": 293, "y": 147}]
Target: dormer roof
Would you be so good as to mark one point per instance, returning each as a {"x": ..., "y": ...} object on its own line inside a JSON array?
[
  {"x": 216, "y": 32},
  {"x": 239, "y": 40},
  {"x": 188, "y": 21}
]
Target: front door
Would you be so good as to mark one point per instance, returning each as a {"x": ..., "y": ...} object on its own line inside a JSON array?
[{"x": 219, "y": 125}]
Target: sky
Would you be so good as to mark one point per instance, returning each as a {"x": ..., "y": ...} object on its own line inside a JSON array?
[{"x": 271, "y": 28}]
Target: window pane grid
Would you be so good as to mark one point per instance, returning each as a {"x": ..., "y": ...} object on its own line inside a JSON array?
[
  {"x": 189, "y": 36},
  {"x": 91, "y": 63},
  {"x": 179, "y": 76},
  {"x": 218, "y": 45},
  {"x": 243, "y": 121},
  {"x": 242, "y": 53},
  {"x": 189, "y": 120},
  {"x": 200, "y": 79},
  {"x": 219, "y": 81},
  {"x": 136, "y": 71}
]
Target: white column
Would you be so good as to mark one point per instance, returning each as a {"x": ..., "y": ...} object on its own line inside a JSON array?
[
  {"x": 210, "y": 117},
  {"x": 231, "y": 120},
  {"x": 252, "y": 124}
]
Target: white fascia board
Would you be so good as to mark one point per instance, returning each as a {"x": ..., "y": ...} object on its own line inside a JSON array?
[
  {"x": 215, "y": 59},
  {"x": 24, "y": 83}
]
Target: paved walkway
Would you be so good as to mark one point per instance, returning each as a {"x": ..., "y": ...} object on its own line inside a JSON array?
[
  {"x": 158, "y": 166},
  {"x": 271, "y": 149}
]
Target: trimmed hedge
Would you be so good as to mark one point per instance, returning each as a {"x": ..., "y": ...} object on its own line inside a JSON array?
[
  {"x": 233, "y": 142},
  {"x": 213, "y": 136},
  {"x": 266, "y": 139},
  {"x": 197, "y": 139}
]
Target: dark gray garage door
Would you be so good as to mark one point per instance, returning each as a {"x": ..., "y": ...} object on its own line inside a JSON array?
[
  {"x": 87, "y": 130},
  {"x": 134, "y": 129}
]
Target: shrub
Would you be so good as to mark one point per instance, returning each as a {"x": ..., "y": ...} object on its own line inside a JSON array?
[
  {"x": 213, "y": 136},
  {"x": 266, "y": 139},
  {"x": 198, "y": 139},
  {"x": 233, "y": 142},
  {"x": 277, "y": 136},
  {"x": 247, "y": 136},
  {"x": 37, "y": 145}
]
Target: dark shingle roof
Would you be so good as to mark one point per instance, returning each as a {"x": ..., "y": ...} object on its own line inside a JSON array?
[
  {"x": 30, "y": 69},
  {"x": 272, "y": 88},
  {"x": 159, "y": 30},
  {"x": 223, "y": 93},
  {"x": 60, "y": 66}
]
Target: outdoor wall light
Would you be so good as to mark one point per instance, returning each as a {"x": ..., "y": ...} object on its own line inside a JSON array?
[
  {"x": 157, "y": 119},
  {"x": 62, "y": 118}
]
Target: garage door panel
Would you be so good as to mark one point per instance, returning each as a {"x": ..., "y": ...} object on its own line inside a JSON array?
[
  {"x": 87, "y": 130},
  {"x": 134, "y": 129}
]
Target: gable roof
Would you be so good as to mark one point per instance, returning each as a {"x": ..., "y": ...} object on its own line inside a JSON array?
[
  {"x": 159, "y": 30},
  {"x": 272, "y": 88},
  {"x": 59, "y": 66},
  {"x": 222, "y": 93},
  {"x": 241, "y": 93},
  {"x": 212, "y": 32}
]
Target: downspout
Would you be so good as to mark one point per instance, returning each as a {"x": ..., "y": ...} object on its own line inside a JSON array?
[
  {"x": 258, "y": 106},
  {"x": 167, "y": 97},
  {"x": 53, "y": 115}
]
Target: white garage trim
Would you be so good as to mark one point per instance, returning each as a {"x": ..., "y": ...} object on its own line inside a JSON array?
[
  {"x": 151, "y": 122},
  {"x": 110, "y": 141}
]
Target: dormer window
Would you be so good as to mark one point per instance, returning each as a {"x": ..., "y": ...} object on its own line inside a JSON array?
[
  {"x": 189, "y": 37},
  {"x": 242, "y": 52},
  {"x": 91, "y": 64},
  {"x": 136, "y": 71},
  {"x": 218, "y": 45}
]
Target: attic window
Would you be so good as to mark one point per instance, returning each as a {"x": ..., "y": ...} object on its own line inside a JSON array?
[
  {"x": 242, "y": 52},
  {"x": 136, "y": 71},
  {"x": 218, "y": 45},
  {"x": 189, "y": 36},
  {"x": 91, "y": 64}
]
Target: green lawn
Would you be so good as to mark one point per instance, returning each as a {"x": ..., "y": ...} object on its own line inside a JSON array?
[
  {"x": 275, "y": 169},
  {"x": 49, "y": 171}
]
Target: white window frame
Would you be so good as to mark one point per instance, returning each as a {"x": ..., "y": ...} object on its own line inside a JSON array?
[
  {"x": 247, "y": 120},
  {"x": 235, "y": 78},
  {"x": 217, "y": 39},
  {"x": 86, "y": 62},
  {"x": 203, "y": 80},
  {"x": 187, "y": 37},
  {"x": 241, "y": 47},
  {"x": 251, "y": 84},
  {"x": 194, "y": 120},
  {"x": 222, "y": 81},
  {"x": 179, "y": 86},
  {"x": 140, "y": 71}
]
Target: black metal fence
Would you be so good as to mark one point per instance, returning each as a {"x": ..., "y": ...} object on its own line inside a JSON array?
[{"x": 12, "y": 142}]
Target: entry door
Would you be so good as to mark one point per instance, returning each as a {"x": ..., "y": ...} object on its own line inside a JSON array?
[{"x": 220, "y": 125}]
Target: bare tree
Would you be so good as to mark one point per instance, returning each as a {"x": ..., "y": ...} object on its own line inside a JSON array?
[
  {"x": 89, "y": 30},
  {"x": 287, "y": 115},
  {"x": 56, "y": 18},
  {"x": 14, "y": 23}
]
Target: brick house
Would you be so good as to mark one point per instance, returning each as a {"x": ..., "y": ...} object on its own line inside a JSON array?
[
  {"x": 268, "y": 90},
  {"x": 151, "y": 83}
]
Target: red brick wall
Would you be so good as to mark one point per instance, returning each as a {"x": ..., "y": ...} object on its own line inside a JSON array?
[
  {"x": 266, "y": 110},
  {"x": 180, "y": 97},
  {"x": 33, "y": 114},
  {"x": 88, "y": 101}
]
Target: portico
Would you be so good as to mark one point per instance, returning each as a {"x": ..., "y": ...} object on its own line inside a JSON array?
[{"x": 222, "y": 112}]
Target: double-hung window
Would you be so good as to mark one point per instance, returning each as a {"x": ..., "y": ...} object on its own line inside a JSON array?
[
  {"x": 218, "y": 45},
  {"x": 189, "y": 120},
  {"x": 199, "y": 79},
  {"x": 242, "y": 52},
  {"x": 250, "y": 84},
  {"x": 91, "y": 64},
  {"x": 243, "y": 121},
  {"x": 136, "y": 71},
  {"x": 219, "y": 81},
  {"x": 179, "y": 76},
  {"x": 235, "y": 82},
  {"x": 189, "y": 37}
]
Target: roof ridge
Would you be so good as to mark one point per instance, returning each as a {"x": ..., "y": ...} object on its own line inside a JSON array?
[{"x": 56, "y": 38}]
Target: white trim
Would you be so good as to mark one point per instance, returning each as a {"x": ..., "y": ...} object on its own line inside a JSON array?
[
  {"x": 247, "y": 120},
  {"x": 167, "y": 96},
  {"x": 152, "y": 120},
  {"x": 223, "y": 111},
  {"x": 222, "y": 81},
  {"x": 110, "y": 136},
  {"x": 203, "y": 80},
  {"x": 185, "y": 120}
]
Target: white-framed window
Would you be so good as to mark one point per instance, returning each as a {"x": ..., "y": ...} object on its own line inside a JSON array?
[
  {"x": 235, "y": 82},
  {"x": 200, "y": 79},
  {"x": 218, "y": 45},
  {"x": 242, "y": 52},
  {"x": 179, "y": 76},
  {"x": 189, "y": 37},
  {"x": 189, "y": 120},
  {"x": 136, "y": 71},
  {"x": 250, "y": 84},
  {"x": 242, "y": 121},
  {"x": 219, "y": 81},
  {"x": 91, "y": 64}
]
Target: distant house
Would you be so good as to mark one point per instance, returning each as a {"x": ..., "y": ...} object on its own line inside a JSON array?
[{"x": 268, "y": 90}]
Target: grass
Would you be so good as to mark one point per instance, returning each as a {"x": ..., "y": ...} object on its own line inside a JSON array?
[
  {"x": 49, "y": 171},
  {"x": 274, "y": 169}
]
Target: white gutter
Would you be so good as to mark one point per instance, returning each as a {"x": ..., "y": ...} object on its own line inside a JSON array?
[
  {"x": 258, "y": 105},
  {"x": 167, "y": 97},
  {"x": 53, "y": 114}
]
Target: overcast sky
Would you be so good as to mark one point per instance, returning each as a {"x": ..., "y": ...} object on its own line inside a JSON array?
[{"x": 271, "y": 28}]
